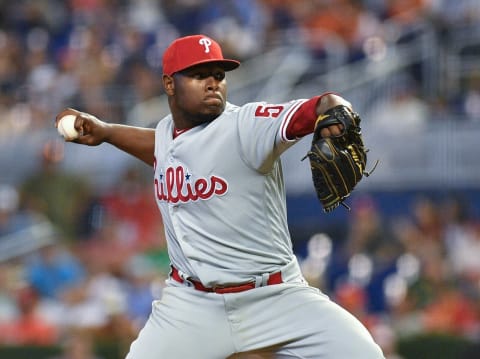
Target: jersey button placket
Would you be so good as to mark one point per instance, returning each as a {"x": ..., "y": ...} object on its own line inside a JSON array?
[{"x": 173, "y": 207}]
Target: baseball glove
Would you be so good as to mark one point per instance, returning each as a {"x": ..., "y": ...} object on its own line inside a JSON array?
[{"x": 337, "y": 163}]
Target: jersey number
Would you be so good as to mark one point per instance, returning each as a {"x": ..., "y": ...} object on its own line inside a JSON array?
[{"x": 268, "y": 111}]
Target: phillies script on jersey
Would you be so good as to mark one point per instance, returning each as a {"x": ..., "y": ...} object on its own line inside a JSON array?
[{"x": 176, "y": 185}]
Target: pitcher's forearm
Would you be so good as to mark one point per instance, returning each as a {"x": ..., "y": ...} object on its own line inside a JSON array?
[{"x": 136, "y": 141}]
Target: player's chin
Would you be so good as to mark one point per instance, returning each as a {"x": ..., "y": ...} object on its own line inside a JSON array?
[
  {"x": 208, "y": 116},
  {"x": 212, "y": 111},
  {"x": 214, "y": 108}
]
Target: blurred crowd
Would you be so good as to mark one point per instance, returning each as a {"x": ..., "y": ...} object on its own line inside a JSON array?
[
  {"x": 77, "y": 264},
  {"x": 406, "y": 275},
  {"x": 95, "y": 261},
  {"x": 104, "y": 56}
]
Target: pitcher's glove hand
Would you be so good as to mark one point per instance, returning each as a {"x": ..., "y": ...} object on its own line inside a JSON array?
[{"x": 337, "y": 163}]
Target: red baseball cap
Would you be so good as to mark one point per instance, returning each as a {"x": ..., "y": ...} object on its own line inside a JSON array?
[{"x": 194, "y": 50}]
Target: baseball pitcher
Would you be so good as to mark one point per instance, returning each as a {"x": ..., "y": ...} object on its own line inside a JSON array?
[{"x": 235, "y": 286}]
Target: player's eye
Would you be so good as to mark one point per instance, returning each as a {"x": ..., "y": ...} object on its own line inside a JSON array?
[
  {"x": 202, "y": 75},
  {"x": 219, "y": 75}
]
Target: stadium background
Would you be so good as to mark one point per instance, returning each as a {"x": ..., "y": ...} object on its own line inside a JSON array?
[{"x": 81, "y": 250}]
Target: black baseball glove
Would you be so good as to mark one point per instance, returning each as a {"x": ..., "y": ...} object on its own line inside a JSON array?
[{"x": 337, "y": 163}]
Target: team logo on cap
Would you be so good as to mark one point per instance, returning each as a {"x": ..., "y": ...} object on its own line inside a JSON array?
[{"x": 206, "y": 43}]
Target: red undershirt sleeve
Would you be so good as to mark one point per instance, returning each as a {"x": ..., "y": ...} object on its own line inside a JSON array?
[{"x": 303, "y": 121}]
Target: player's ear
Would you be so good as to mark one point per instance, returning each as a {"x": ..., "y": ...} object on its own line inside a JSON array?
[{"x": 168, "y": 85}]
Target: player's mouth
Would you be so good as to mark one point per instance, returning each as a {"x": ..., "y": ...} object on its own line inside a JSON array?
[{"x": 213, "y": 100}]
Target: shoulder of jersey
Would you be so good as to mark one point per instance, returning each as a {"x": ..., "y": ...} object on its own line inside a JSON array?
[
  {"x": 166, "y": 124},
  {"x": 230, "y": 107}
]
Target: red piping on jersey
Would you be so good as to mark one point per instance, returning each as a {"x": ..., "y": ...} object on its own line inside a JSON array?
[
  {"x": 288, "y": 119},
  {"x": 303, "y": 121}
]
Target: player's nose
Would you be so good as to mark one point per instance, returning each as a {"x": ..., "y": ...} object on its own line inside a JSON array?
[{"x": 212, "y": 83}]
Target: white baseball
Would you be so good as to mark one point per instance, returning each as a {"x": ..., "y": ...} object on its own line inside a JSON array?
[{"x": 66, "y": 127}]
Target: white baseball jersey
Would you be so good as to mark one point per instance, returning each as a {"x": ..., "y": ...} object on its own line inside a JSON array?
[{"x": 220, "y": 189}]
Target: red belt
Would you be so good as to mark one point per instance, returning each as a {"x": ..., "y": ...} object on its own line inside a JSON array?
[{"x": 274, "y": 278}]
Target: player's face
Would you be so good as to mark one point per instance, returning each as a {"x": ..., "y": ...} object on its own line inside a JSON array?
[{"x": 199, "y": 93}]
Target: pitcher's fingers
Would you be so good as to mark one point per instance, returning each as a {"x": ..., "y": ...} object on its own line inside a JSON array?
[{"x": 336, "y": 130}]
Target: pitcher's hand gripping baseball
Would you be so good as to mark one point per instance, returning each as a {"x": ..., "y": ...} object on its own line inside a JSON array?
[
  {"x": 82, "y": 127},
  {"x": 337, "y": 162}
]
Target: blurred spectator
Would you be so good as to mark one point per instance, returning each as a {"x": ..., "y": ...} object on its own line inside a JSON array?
[
  {"x": 427, "y": 220},
  {"x": 56, "y": 193},
  {"x": 28, "y": 328},
  {"x": 319, "y": 250},
  {"x": 367, "y": 256},
  {"x": 105, "y": 250},
  {"x": 22, "y": 231},
  {"x": 187, "y": 16},
  {"x": 133, "y": 213},
  {"x": 451, "y": 312},
  {"x": 337, "y": 27},
  {"x": 150, "y": 106},
  {"x": 144, "y": 284},
  {"x": 10, "y": 218},
  {"x": 433, "y": 302},
  {"x": 41, "y": 72},
  {"x": 368, "y": 232},
  {"x": 470, "y": 102},
  {"x": 281, "y": 21},
  {"x": 53, "y": 270},
  {"x": 11, "y": 69},
  {"x": 455, "y": 13},
  {"x": 65, "y": 86},
  {"x": 110, "y": 292},
  {"x": 99, "y": 306},
  {"x": 405, "y": 113},
  {"x": 462, "y": 243},
  {"x": 8, "y": 285},
  {"x": 407, "y": 12},
  {"x": 238, "y": 25},
  {"x": 145, "y": 15},
  {"x": 78, "y": 344},
  {"x": 95, "y": 67}
]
